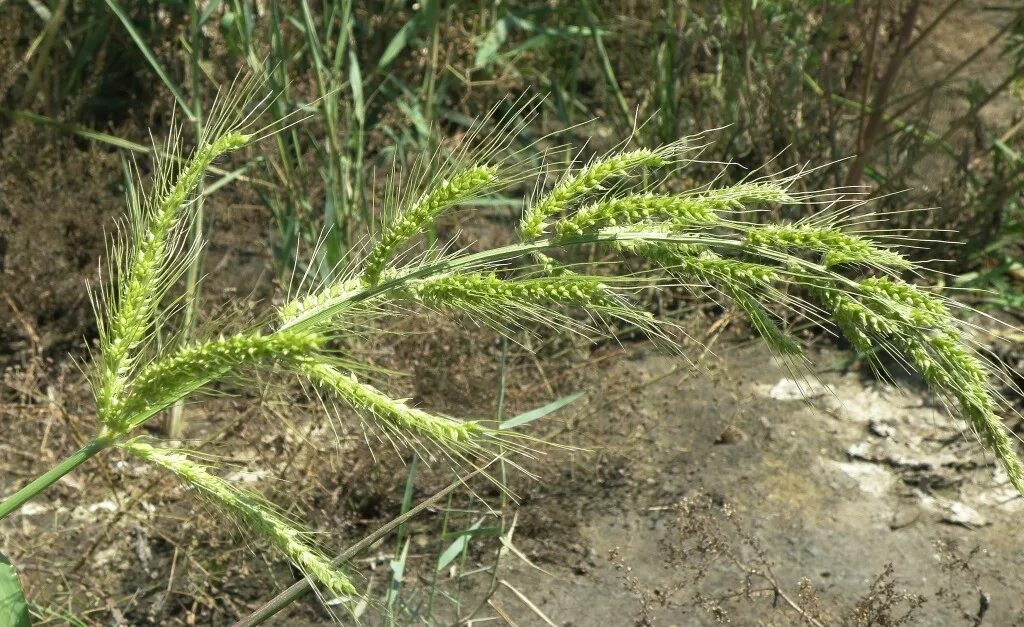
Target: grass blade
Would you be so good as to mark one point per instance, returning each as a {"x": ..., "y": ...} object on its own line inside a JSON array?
[
  {"x": 81, "y": 131},
  {"x": 355, "y": 78},
  {"x": 539, "y": 412},
  {"x": 398, "y": 43},
  {"x": 13, "y": 607},
  {"x": 487, "y": 51},
  {"x": 457, "y": 547},
  {"x": 397, "y": 572},
  {"x": 179, "y": 96}
]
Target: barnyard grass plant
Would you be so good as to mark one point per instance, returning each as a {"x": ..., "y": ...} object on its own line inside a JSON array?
[{"x": 653, "y": 238}]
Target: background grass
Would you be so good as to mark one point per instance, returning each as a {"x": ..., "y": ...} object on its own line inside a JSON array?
[{"x": 792, "y": 82}]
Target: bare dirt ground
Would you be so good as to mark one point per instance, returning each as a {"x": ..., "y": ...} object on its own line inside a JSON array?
[{"x": 733, "y": 494}]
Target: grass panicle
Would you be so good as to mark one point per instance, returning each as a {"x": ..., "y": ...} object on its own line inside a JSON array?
[
  {"x": 701, "y": 263},
  {"x": 764, "y": 323},
  {"x": 679, "y": 238}
]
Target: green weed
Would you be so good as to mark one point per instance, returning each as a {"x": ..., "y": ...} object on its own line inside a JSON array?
[{"x": 814, "y": 267}]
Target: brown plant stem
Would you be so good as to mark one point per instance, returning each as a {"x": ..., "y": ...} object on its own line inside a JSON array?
[{"x": 883, "y": 90}]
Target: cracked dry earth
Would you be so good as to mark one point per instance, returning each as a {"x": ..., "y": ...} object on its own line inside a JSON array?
[{"x": 799, "y": 494}]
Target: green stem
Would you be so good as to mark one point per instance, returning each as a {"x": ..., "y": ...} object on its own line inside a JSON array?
[
  {"x": 47, "y": 479},
  {"x": 312, "y": 319}
]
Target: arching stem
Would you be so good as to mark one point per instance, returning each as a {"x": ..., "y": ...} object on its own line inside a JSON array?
[{"x": 22, "y": 496}]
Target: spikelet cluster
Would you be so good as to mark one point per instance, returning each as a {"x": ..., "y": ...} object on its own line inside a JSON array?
[
  {"x": 394, "y": 415},
  {"x": 161, "y": 383},
  {"x": 747, "y": 195},
  {"x": 148, "y": 272},
  {"x": 857, "y": 322},
  {"x": 742, "y": 281},
  {"x": 881, "y": 312},
  {"x": 462, "y": 187},
  {"x": 298, "y": 308},
  {"x": 487, "y": 290},
  {"x": 587, "y": 181},
  {"x": 703, "y": 263},
  {"x": 835, "y": 246},
  {"x": 920, "y": 308},
  {"x": 504, "y": 303},
  {"x": 632, "y": 209},
  {"x": 253, "y": 511},
  {"x": 683, "y": 211}
]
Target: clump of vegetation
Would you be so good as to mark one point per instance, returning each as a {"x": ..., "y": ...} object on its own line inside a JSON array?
[{"x": 617, "y": 203}]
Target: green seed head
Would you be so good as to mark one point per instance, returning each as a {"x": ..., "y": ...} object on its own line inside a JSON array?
[
  {"x": 162, "y": 382},
  {"x": 587, "y": 181},
  {"x": 836, "y": 247},
  {"x": 462, "y": 187},
  {"x": 395, "y": 416},
  {"x": 150, "y": 269},
  {"x": 251, "y": 510}
]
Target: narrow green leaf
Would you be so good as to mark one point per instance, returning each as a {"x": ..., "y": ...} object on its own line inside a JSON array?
[
  {"x": 397, "y": 572},
  {"x": 481, "y": 531},
  {"x": 398, "y": 43},
  {"x": 226, "y": 178},
  {"x": 150, "y": 57},
  {"x": 539, "y": 412},
  {"x": 606, "y": 65},
  {"x": 1005, "y": 149},
  {"x": 13, "y": 607},
  {"x": 355, "y": 79},
  {"x": 487, "y": 52},
  {"x": 110, "y": 140},
  {"x": 535, "y": 42},
  {"x": 208, "y": 11},
  {"x": 456, "y": 547},
  {"x": 410, "y": 481},
  {"x": 415, "y": 116},
  {"x": 125, "y": 144}
]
